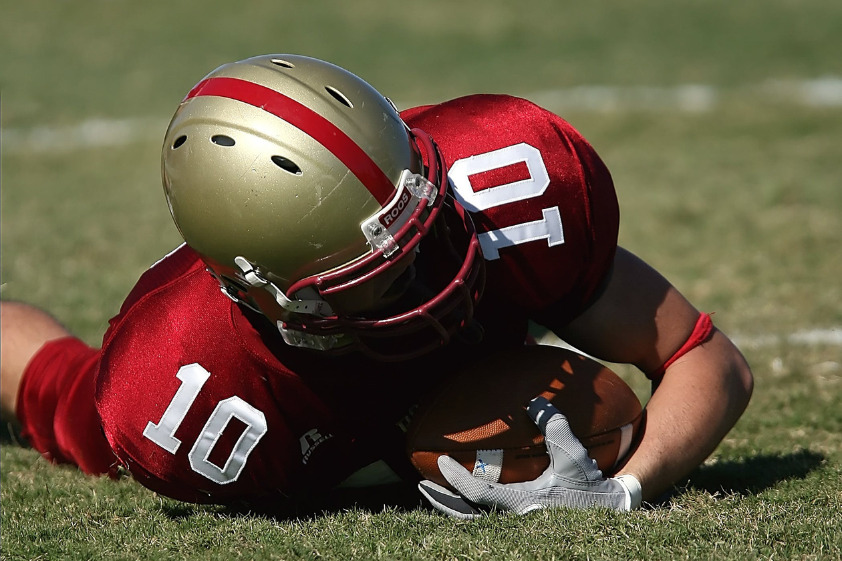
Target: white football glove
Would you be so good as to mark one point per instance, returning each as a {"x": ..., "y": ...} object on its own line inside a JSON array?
[{"x": 571, "y": 480}]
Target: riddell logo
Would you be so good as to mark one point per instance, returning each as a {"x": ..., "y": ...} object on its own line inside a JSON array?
[
  {"x": 396, "y": 211},
  {"x": 311, "y": 440}
]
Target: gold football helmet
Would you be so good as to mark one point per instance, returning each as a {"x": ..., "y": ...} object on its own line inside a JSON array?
[{"x": 303, "y": 191}]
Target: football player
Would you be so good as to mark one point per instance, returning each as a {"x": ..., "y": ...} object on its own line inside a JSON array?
[{"x": 340, "y": 257}]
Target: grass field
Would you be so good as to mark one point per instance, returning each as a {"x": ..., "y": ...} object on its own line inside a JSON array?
[{"x": 721, "y": 123}]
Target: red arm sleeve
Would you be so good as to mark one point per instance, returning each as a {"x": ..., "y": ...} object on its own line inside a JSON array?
[
  {"x": 56, "y": 406},
  {"x": 701, "y": 333}
]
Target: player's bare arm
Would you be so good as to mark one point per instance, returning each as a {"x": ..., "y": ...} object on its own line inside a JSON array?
[
  {"x": 643, "y": 320},
  {"x": 24, "y": 330}
]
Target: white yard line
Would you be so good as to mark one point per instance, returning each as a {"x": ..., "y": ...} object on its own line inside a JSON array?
[
  {"x": 831, "y": 337},
  {"x": 93, "y": 133},
  {"x": 806, "y": 338},
  {"x": 820, "y": 92}
]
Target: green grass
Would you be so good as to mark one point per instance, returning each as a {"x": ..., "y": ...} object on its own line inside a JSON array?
[{"x": 740, "y": 206}]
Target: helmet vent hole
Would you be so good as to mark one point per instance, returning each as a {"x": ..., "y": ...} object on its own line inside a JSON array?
[
  {"x": 339, "y": 96},
  {"x": 179, "y": 141},
  {"x": 222, "y": 140},
  {"x": 286, "y": 165},
  {"x": 283, "y": 63}
]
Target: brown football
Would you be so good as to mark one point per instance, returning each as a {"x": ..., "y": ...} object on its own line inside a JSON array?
[{"x": 479, "y": 417}]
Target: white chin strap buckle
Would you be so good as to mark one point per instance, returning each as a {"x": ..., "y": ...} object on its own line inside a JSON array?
[
  {"x": 295, "y": 338},
  {"x": 318, "y": 308}
]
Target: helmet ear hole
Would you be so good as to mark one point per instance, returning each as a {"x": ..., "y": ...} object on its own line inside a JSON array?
[
  {"x": 339, "y": 96},
  {"x": 286, "y": 165}
]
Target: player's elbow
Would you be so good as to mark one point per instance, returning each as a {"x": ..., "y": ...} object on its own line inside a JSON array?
[
  {"x": 740, "y": 380},
  {"x": 730, "y": 375}
]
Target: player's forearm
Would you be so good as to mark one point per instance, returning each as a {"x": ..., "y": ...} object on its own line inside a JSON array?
[
  {"x": 699, "y": 400},
  {"x": 23, "y": 330}
]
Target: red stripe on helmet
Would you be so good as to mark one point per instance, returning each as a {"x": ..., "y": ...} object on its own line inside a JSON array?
[{"x": 302, "y": 117}]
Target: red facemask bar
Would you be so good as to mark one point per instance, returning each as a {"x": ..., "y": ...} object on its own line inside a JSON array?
[
  {"x": 403, "y": 335},
  {"x": 419, "y": 329}
]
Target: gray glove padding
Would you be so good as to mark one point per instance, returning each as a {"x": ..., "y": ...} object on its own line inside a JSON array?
[{"x": 571, "y": 480}]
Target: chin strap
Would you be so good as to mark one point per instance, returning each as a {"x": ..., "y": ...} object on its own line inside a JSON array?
[
  {"x": 318, "y": 308},
  {"x": 296, "y": 338}
]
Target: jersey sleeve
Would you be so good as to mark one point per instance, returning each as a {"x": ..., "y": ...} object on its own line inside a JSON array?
[{"x": 542, "y": 200}]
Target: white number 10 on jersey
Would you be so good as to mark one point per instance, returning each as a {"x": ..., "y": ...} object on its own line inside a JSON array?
[
  {"x": 547, "y": 228},
  {"x": 162, "y": 433}
]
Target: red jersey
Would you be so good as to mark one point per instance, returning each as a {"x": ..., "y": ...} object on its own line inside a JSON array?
[{"x": 201, "y": 399}]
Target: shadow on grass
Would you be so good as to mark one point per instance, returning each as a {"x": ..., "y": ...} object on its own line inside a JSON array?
[
  {"x": 10, "y": 434},
  {"x": 401, "y": 497},
  {"x": 750, "y": 476},
  {"x": 397, "y": 497}
]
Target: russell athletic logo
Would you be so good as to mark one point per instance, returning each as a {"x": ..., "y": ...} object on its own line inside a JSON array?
[{"x": 311, "y": 440}]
